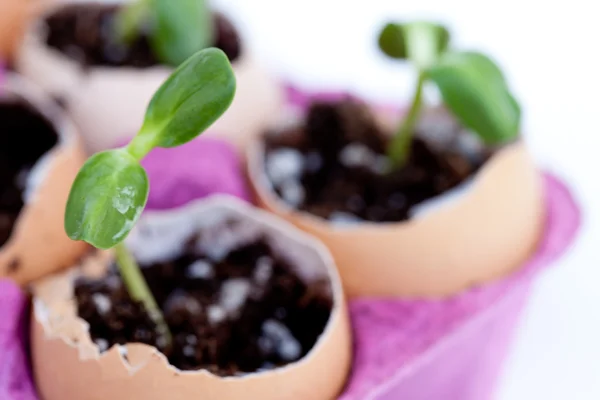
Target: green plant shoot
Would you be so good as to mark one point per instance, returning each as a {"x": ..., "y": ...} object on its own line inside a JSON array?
[
  {"x": 177, "y": 29},
  {"x": 111, "y": 189},
  {"x": 471, "y": 85}
]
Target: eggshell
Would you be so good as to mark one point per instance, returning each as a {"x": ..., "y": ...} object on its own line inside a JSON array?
[
  {"x": 14, "y": 15},
  {"x": 68, "y": 366},
  {"x": 109, "y": 104},
  {"x": 477, "y": 233},
  {"x": 39, "y": 244}
]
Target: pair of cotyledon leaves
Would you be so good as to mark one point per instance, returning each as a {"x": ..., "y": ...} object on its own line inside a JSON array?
[
  {"x": 471, "y": 85},
  {"x": 111, "y": 189}
]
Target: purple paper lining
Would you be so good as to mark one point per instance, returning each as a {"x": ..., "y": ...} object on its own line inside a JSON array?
[{"x": 15, "y": 378}]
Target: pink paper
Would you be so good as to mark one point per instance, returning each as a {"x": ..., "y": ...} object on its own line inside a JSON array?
[
  {"x": 195, "y": 170},
  {"x": 15, "y": 375}
]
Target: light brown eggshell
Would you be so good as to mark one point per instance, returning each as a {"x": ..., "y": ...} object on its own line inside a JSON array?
[
  {"x": 68, "y": 366},
  {"x": 108, "y": 104},
  {"x": 14, "y": 15},
  {"x": 39, "y": 244},
  {"x": 482, "y": 234}
]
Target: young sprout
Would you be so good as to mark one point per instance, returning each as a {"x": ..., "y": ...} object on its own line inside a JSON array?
[
  {"x": 177, "y": 29},
  {"x": 471, "y": 85},
  {"x": 111, "y": 189}
]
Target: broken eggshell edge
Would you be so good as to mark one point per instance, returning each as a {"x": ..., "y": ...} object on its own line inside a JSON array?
[
  {"x": 476, "y": 233},
  {"x": 68, "y": 365},
  {"x": 38, "y": 244},
  {"x": 109, "y": 103}
]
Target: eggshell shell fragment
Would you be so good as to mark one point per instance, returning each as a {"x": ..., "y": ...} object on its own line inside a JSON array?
[
  {"x": 108, "y": 104},
  {"x": 479, "y": 235},
  {"x": 39, "y": 244},
  {"x": 68, "y": 366}
]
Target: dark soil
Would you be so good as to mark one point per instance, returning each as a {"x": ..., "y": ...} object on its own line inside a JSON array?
[
  {"x": 25, "y": 136},
  {"x": 84, "y": 33},
  {"x": 334, "y": 166},
  {"x": 230, "y": 312}
]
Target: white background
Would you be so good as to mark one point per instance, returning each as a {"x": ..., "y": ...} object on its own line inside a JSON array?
[{"x": 549, "y": 51}]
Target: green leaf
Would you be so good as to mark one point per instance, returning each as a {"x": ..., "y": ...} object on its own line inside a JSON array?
[
  {"x": 181, "y": 28},
  {"x": 391, "y": 41},
  {"x": 420, "y": 42},
  {"x": 106, "y": 199},
  {"x": 474, "y": 89},
  {"x": 187, "y": 103}
]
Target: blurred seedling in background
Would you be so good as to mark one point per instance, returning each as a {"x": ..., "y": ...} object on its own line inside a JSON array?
[
  {"x": 111, "y": 189},
  {"x": 177, "y": 28},
  {"x": 471, "y": 85}
]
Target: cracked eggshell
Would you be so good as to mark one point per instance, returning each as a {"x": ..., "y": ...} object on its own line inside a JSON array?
[
  {"x": 67, "y": 365},
  {"x": 108, "y": 104},
  {"x": 474, "y": 234},
  {"x": 38, "y": 244}
]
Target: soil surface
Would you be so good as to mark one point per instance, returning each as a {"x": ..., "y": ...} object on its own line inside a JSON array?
[
  {"x": 25, "y": 136},
  {"x": 334, "y": 164},
  {"x": 84, "y": 33},
  {"x": 231, "y": 309}
]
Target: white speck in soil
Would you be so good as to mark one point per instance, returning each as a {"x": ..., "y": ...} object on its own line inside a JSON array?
[
  {"x": 192, "y": 340},
  {"x": 289, "y": 349},
  {"x": 180, "y": 301},
  {"x": 263, "y": 270},
  {"x": 189, "y": 351},
  {"x": 285, "y": 344},
  {"x": 341, "y": 218},
  {"x": 357, "y": 155},
  {"x": 113, "y": 282},
  {"x": 469, "y": 144},
  {"x": 216, "y": 314},
  {"x": 200, "y": 269},
  {"x": 234, "y": 293},
  {"x": 266, "y": 345},
  {"x": 267, "y": 366},
  {"x": 102, "y": 303},
  {"x": 102, "y": 344},
  {"x": 292, "y": 193},
  {"x": 380, "y": 165},
  {"x": 284, "y": 164}
]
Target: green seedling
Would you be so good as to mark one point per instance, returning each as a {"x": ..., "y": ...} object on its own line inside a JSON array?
[
  {"x": 111, "y": 189},
  {"x": 471, "y": 85},
  {"x": 177, "y": 28}
]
